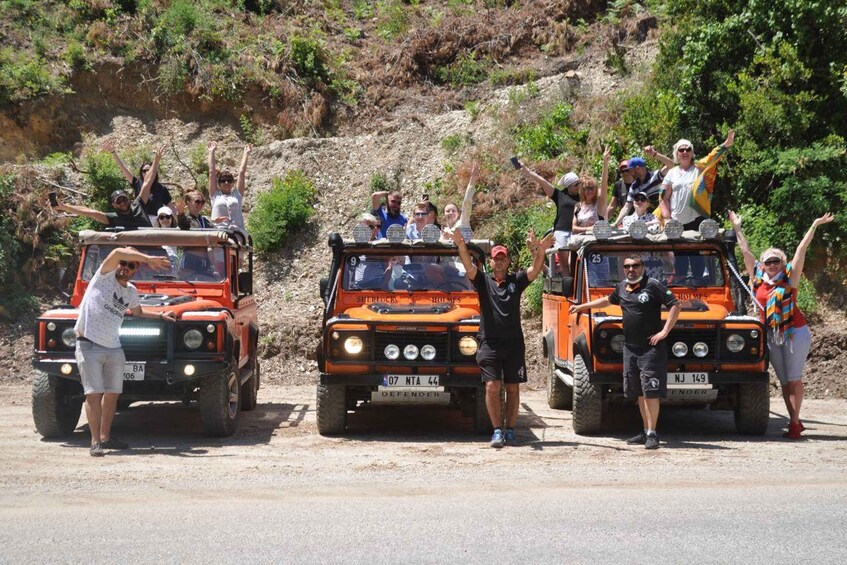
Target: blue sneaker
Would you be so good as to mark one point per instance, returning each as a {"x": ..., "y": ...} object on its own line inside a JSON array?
[
  {"x": 497, "y": 440},
  {"x": 510, "y": 435}
]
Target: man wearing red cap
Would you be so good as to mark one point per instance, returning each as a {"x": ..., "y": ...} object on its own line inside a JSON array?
[{"x": 501, "y": 344}]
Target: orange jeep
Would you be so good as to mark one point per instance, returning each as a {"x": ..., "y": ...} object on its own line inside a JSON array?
[
  {"x": 208, "y": 355},
  {"x": 717, "y": 356},
  {"x": 399, "y": 327}
]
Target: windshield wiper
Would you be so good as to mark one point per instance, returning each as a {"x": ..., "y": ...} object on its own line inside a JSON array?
[{"x": 166, "y": 277}]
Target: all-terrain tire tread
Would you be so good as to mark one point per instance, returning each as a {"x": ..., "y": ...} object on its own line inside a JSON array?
[
  {"x": 587, "y": 401},
  {"x": 53, "y": 416},
  {"x": 753, "y": 409},
  {"x": 331, "y": 409}
]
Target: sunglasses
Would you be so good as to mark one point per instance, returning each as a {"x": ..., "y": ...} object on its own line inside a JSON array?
[
  {"x": 684, "y": 150},
  {"x": 132, "y": 265},
  {"x": 375, "y": 226},
  {"x": 632, "y": 266},
  {"x": 199, "y": 201},
  {"x": 640, "y": 199},
  {"x": 421, "y": 214},
  {"x": 771, "y": 262},
  {"x": 226, "y": 181},
  {"x": 121, "y": 200},
  {"x": 166, "y": 217}
]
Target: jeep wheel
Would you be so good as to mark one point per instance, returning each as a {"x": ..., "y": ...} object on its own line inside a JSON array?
[
  {"x": 752, "y": 408},
  {"x": 56, "y": 405},
  {"x": 250, "y": 389},
  {"x": 219, "y": 401},
  {"x": 587, "y": 400},
  {"x": 332, "y": 409},
  {"x": 559, "y": 395},
  {"x": 481, "y": 420}
]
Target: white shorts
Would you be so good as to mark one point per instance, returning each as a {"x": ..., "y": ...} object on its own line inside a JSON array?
[
  {"x": 561, "y": 239},
  {"x": 101, "y": 369}
]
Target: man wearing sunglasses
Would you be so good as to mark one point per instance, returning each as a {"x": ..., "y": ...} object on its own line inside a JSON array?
[
  {"x": 643, "y": 180},
  {"x": 98, "y": 346},
  {"x": 128, "y": 215},
  {"x": 645, "y": 353}
]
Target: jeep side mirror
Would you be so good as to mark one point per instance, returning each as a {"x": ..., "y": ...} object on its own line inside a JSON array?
[{"x": 245, "y": 282}]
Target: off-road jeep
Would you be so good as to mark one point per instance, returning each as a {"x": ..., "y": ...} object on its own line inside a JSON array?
[
  {"x": 717, "y": 355},
  {"x": 399, "y": 327},
  {"x": 208, "y": 355}
]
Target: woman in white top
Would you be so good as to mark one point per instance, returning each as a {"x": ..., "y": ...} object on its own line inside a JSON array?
[
  {"x": 225, "y": 194},
  {"x": 452, "y": 219}
]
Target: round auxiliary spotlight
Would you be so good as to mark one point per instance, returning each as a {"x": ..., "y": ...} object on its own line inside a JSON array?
[
  {"x": 673, "y": 229},
  {"x": 709, "y": 229},
  {"x": 679, "y": 349},
  {"x": 638, "y": 230},
  {"x": 466, "y": 231},
  {"x": 395, "y": 233},
  {"x": 430, "y": 234},
  {"x": 602, "y": 230},
  {"x": 361, "y": 234}
]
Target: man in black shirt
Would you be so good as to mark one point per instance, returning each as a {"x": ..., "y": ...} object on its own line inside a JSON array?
[
  {"x": 620, "y": 190},
  {"x": 501, "y": 344},
  {"x": 645, "y": 354},
  {"x": 128, "y": 215}
]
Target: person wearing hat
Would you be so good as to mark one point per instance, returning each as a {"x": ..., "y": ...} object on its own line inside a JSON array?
[
  {"x": 566, "y": 197},
  {"x": 641, "y": 203},
  {"x": 620, "y": 188},
  {"x": 158, "y": 196},
  {"x": 643, "y": 180},
  {"x": 501, "y": 353},
  {"x": 127, "y": 215},
  {"x": 775, "y": 283}
]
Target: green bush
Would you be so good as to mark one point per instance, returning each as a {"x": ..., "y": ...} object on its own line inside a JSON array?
[
  {"x": 103, "y": 177},
  {"x": 464, "y": 71},
  {"x": 278, "y": 213},
  {"x": 547, "y": 139},
  {"x": 308, "y": 58},
  {"x": 22, "y": 78}
]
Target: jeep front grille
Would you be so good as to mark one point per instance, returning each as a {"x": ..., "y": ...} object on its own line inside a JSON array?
[
  {"x": 144, "y": 340},
  {"x": 419, "y": 339},
  {"x": 709, "y": 336}
]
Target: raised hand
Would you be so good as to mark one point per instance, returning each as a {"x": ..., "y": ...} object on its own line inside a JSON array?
[
  {"x": 735, "y": 220},
  {"x": 607, "y": 154},
  {"x": 248, "y": 148},
  {"x": 108, "y": 147},
  {"x": 730, "y": 138},
  {"x": 474, "y": 172},
  {"x": 159, "y": 263},
  {"x": 213, "y": 145},
  {"x": 825, "y": 219},
  {"x": 650, "y": 150},
  {"x": 160, "y": 151}
]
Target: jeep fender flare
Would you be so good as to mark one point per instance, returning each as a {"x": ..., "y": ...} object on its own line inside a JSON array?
[
  {"x": 547, "y": 346},
  {"x": 580, "y": 347}
]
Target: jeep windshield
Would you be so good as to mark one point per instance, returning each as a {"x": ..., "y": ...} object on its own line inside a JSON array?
[
  {"x": 675, "y": 268},
  {"x": 188, "y": 264},
  {"x": 404, "y": 273}
]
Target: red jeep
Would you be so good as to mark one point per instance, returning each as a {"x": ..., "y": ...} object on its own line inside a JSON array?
[{"x": 208, "y": 355}]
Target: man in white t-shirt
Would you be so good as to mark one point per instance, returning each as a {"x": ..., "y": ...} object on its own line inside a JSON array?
[{"x": 98, "y": 346}]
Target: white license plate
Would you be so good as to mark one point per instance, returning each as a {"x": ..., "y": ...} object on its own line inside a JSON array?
[
  {"x": 134, "y": 371},
  {"x": 406, "y": 381},
  {"x": 688, "y": 378}
]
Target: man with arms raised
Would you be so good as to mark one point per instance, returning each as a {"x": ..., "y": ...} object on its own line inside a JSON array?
[
  {"x": 501, "y": 344},
  {"x": 98, "y": 347},
  {"x": 645, "y": 353},
  {"x": 389, "y": 214}
]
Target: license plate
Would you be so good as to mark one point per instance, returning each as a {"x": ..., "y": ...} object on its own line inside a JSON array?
[
  {"x": 688, "y": 378},
  {"x": 134, "y": 371},
  {"x": 406, "y": 381}
]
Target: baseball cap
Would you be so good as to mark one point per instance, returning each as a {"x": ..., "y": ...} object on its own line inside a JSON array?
[
  {"x": 165, "y": 210},
  {"x": 499, "y": 250},
  {"x": 624, "y": 166},
  {"x": 117, "y": 194},
  {"x": 637, "y": 162},
  {"x": 568, "y": 179}
]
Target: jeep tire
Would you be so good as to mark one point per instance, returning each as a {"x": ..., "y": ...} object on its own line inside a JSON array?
[
  {"x": 220, "y": 402},
  {"x": 559, "y": 395},
  {"x": 587, "y": 400},
  {"x": 250, "y": 389},
  {"x": 331, "y": 409},
  {"x": 481, "y": 419},
  {"x": 56, "y": 405},
  {"x": 752, "y": 408}
]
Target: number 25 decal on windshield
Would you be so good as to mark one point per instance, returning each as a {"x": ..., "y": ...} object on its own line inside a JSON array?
[{"x": 595, "y": 258}]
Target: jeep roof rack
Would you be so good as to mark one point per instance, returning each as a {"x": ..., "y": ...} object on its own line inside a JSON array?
[
  {"x": 170, "y": 236},
  {"x": 619, "y": 236},
  {"x": 483, "y": 245}
]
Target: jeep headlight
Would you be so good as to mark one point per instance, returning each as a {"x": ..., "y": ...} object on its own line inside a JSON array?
[
  {"x": 617, "y": 343},
  {"x": 700, "y": 349},
  {"x": 354, "y": 345},
  {"x": 192, "y": 339},
  {"x": 69, "y": 337},
  {"x": 468, "y": 345},
  {"x": 735, "y": 343}
]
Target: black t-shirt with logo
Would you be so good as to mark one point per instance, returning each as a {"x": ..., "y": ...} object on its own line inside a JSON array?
[
  {"x": 642, "y": 309},
  {"x": 136, "y": 218},
  {"x": 500, "y": 308},
  {"x": 620, "y": 192},
  {"x": 564, "y": 210}
]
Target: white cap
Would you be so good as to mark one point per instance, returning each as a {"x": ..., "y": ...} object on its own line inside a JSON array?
[
  {"x": 165, "y": 210},
  {"x": 568, "y": 180}
]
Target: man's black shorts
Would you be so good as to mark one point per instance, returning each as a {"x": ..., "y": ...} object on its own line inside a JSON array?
[
  {"x": 501, "y": 363},
  {"x": 645, "y": 371}
]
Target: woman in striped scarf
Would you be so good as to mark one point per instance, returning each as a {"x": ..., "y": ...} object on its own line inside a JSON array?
[{"x": 775, "y": 283}]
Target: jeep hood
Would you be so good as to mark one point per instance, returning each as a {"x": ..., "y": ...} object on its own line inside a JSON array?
[{"x": 384, "y": 312}]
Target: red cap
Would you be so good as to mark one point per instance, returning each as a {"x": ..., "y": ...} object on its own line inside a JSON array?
[
  {"x": 624, "y": 166},
  {"x": 499, "y": 250}
]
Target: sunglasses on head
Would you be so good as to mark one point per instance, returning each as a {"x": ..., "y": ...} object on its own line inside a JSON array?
[
  {"x": 128, "y": 264},
  {"x": 166, "y": 217},
  {"x": 629, "y": 266},
  {"x": 684, "y": 150},
  {"x": 773, "y": 261}
]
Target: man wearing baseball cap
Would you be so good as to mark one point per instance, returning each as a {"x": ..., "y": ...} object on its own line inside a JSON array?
[
  {"x": 644, "y": 180},
  {"x": 620, "y": 189},
  {"x": 501, "y": 353},
  {"x": 128, "y": 215}
]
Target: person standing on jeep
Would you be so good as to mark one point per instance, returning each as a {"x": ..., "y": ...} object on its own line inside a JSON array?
[
  {"x": 98, "y": 346},
  {"x": 389, "y": 214},
  {"x": 501, "y": 354},
  {"x": 645, "y": 353}
]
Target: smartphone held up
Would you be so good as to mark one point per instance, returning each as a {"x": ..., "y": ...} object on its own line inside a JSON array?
[{"x": 515, "y": 163}]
